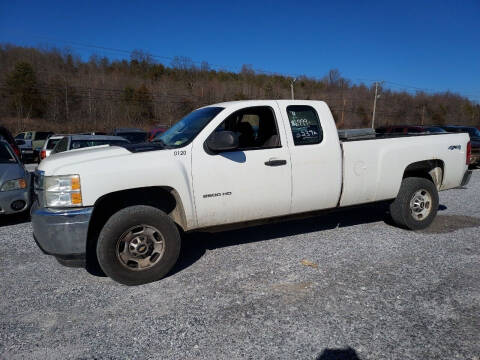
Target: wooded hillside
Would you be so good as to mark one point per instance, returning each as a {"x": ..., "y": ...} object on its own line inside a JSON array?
[{"x": 55, "y": 90}]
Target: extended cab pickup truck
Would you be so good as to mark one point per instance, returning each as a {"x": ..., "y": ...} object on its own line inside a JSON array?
[{"x": 231, "y": 163}]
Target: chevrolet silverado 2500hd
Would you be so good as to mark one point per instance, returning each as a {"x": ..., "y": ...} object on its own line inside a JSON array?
[{"x": 230, "y": 163}]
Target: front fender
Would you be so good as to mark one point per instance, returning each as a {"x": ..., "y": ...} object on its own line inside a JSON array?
[{"x": 161, "y": 168}]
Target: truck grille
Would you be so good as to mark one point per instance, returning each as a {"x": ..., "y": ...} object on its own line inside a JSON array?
[{"x": 38, "y": 186}]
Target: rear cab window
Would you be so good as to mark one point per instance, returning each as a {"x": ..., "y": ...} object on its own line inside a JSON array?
[
  {"x": 305, "y": 125},
  {"x": 61, "y": 146},
  {"x": 51, "y": 143}
]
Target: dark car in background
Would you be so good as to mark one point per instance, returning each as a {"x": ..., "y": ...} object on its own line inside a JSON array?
[
  {"x": 14, "y": 182},
  {"x": 6, "y": 135},
  {"x": 134, "y": 136},
  {"x": 73, "y": 142},
  {"x": 474, "y": 140}
]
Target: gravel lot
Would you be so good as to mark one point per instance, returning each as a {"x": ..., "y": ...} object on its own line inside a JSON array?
[{"x": 341, "y": 286}]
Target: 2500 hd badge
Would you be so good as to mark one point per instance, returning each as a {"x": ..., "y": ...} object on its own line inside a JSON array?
[{"x": 217, "y": 194}]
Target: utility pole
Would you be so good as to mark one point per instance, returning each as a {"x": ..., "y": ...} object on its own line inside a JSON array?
[
  {"x": 423, "y": 113},
  {"x": 66, "y": 101},
  {"x": 375, "y": 103},
  {"x": 291, "y": 87}
]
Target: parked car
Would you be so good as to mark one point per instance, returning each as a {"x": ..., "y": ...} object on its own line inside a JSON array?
[
  {"x": 14, "y": 182},
  {"x": 31, "y": 143},
  {"x": 50, "y": 144},
  {"x": 154, "y": 132},
  {"x": 409, "y": 129},
  {"x": 6, "y": 135},
  {"x": 474, "y": 134},
  {"x": 74, "y": 142},
  {"x": 213, "y": 169},
  {"x": 134, "y": 136}
]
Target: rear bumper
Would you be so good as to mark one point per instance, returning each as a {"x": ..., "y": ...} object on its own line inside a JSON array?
[
  {"x": 466, "y": 178},
  {"x": 62, "y": 233}
]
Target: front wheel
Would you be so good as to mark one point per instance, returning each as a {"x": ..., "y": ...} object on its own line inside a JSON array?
[
  {"x": 138, "y": 245},
  {"x": 416, "y": 204}
]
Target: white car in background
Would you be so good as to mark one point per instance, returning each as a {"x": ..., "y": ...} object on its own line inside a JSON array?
[{"x": 49, "y": 145}]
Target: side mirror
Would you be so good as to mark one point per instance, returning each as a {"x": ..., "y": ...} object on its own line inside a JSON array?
[
  {"x": 20, "y": 142},
  {"x": 222, "y": 141}
]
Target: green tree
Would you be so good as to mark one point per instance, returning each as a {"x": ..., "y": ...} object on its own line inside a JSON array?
[
  {"x": 139, "y": 103},
  {"x": 22, "y": 91}
]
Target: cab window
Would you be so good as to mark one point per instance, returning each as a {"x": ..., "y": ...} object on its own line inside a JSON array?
[
  {"x": 61, "y": 146},
  {"x": 305, "y": 125},
  {"x": 256, "y": 128}
]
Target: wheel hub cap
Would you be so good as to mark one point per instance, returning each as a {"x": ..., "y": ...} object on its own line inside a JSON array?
[
  {"x": 421, "y": 204},
  {"x": 140, "y": 247}
]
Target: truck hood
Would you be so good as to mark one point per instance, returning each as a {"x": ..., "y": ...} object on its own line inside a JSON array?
[{"x": 56, "y": 161}]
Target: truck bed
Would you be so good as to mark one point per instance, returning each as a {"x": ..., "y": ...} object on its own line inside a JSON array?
[
  {"x": 373, "y": 167},
  {"x": 347, "y": 135}
]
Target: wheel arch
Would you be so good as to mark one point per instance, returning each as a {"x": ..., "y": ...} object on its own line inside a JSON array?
[
  {"x": 432, "y": 170},
  {"x": 164, "y": 198}
]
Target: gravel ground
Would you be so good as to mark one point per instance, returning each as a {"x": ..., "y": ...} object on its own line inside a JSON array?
[{"x": 341, "y": 286}]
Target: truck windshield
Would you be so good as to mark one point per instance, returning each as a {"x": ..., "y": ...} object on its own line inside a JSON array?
[{"x": 184, "y": 131}]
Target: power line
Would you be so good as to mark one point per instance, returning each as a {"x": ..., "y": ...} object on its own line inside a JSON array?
[
  {"x": 164, "y": 57},
  {"x": 257, "y": 70}
]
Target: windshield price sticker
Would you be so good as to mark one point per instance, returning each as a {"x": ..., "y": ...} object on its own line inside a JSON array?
[{"x": 299, "y": 122}]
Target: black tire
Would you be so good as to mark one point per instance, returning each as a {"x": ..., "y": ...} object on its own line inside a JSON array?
[
  {"x": 401, "y": 211},
  {"x": 117, "y": 225}
]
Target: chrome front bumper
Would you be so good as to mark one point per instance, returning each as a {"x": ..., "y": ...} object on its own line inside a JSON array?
[{"x": 62, "y": 233}]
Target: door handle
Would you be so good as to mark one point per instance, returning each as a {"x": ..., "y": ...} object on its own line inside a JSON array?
[{"x": 275, "y": 162}]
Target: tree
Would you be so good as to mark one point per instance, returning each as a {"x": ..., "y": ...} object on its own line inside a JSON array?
[
  {"x": 139, "y": 103},
  {"x": 22, "y": 90}
]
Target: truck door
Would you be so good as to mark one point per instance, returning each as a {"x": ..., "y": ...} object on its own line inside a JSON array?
[
  {"x": 315, "y": 154},
  {"x": 252, "y": 182}
]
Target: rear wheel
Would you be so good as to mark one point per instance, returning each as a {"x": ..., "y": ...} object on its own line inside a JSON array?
[
  {"x": 138, "y": 245},
  {"x": 416, "y": 204}
]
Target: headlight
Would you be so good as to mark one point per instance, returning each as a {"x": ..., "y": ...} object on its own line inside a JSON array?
[
  {"x": 62, "y": 191},
  {"x": 14, "y": 185}
]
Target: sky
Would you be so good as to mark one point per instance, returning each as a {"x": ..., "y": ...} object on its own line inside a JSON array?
[{"x": 423, "y": 44}]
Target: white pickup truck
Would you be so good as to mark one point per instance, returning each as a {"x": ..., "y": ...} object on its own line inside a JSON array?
[{"x": 231, "y": 163}]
